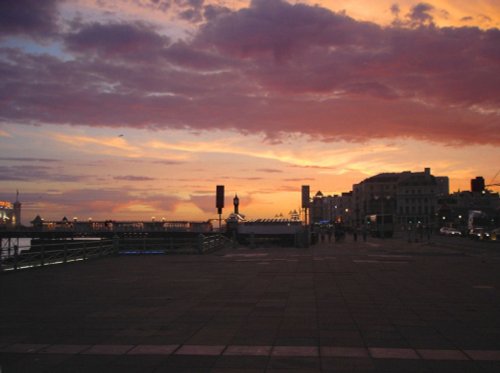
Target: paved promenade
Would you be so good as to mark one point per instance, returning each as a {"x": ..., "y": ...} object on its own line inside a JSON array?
[{"x": 379, "y": 306}]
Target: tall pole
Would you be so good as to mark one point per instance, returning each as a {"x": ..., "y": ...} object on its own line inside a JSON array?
[
  {"x": 383, "y": 227},
  {"x": 219, "y": 203}
]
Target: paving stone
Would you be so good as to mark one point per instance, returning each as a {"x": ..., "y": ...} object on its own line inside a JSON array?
[
  {"x": 483, "y": 355},
  {"x": 187, "y": 363},
  {"x": 393, "y": 353},
  {"x": 348, "y": 352},
  {"x": 24, "y": 348},
  {"x": 346, "y": 364},
  {"x": 236, "y": 310},
  {"x": 248, "y": 350},
  {"x": 398, "y": 366},
  {"x": 242, "y": 362},
  {"x": 200, "y": 350},
  {"x": 291, "y": 363},
  {"x": 311, "y": 351},
  {"x": 33, "y": 363},
  {"x": 153, "y": 350},
  {"x": 65, "y": 349},
  {"x": 83, "y": 363},
  {"x": 442, "y": 354},
  {"x": 108, "y": 349}
]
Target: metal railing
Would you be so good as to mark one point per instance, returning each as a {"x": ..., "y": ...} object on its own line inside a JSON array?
[
  {"x": 211, "y": 243},
  {"x": 59, "y": 252},
  {"x": 40, "y": 253},
  {"x": 198, "y": 244}
]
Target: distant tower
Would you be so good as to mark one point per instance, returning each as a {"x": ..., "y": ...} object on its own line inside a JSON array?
[
  {"x": 17, "y": 211},
  {"x": 236, "y": 202},
  {"x": 477, "y": 184}
]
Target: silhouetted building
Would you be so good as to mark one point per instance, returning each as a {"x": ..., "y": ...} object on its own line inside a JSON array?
[
  {"x": 235, "y": 217},
  {"x": 236, "y": 203},
  {"x": 16, "y": 222},
  {"x": 331, "y": 208},
  {"x": 477, "y": 184},
  {"x": 37, "y": 222},
  {"x": 341, "y": 208},
  {"x": 410, "y": 197},
  {"x": 454, "y": 209},
  {"x": 10, "y": 213},
  {"x": 318, "y": 207}
]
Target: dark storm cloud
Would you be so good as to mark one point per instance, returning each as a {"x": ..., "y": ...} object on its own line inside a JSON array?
[
  {"x": 183, "y": 54},
  {"x": 190, "y": 10},
  {"x": 118, "y": 40},
  {"x": 35, "y": 18},
  {"x": 420, "y": 14},
  {"x": 272, "y": 68},
  {"x": 210, "y": 12},
  {"x": 282, "y": 29}
]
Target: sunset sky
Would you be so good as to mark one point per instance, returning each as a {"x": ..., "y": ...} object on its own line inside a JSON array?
[{"x": 139, "y": 108}]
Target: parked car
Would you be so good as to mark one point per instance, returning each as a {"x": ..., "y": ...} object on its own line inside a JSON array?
[
  {"x": 479, "y": 234},
  {"x": 448, "y": 231}
]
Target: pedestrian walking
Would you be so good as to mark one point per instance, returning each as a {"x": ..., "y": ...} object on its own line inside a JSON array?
[{"x": 329, "y": 233}]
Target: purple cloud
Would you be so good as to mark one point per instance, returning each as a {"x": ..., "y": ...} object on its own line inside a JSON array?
[
  {"x": 205, "y": 203},
  {"x": 278, "y": 28},
  {"x": 134, "y": 178},
  {"x": 30, "y": 160},
  {"x": 28, "y": 17},
  {"x": 420, "y": 15},
  {"x": 269, "y": 170},
  {"x": 124, "y": 40},
  {"x": 36, "y": 173},
  {"x": 272, "y": 68},
  {"x": 106, "y": 203}
]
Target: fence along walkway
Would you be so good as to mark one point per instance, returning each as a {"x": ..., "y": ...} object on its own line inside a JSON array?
[
  {"x": 196, "y": 244},
  {"x": 57, "y": 252},
  {"x": 65, "y": 251}
]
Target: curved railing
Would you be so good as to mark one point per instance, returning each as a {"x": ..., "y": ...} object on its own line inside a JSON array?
[
  {"x": 59, "y": 252},
  {"x": 40, "y": 253}
]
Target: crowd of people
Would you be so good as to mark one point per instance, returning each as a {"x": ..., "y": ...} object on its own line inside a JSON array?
[{"x": 336, "y": 232}]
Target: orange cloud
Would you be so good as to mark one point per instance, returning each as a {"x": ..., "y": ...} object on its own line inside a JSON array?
[
  {"x": 4, "y": 134},
  {"x": 103, "y": 144}
]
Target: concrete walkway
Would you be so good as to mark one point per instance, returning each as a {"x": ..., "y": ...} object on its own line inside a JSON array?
[{"x": 376, "y": 306}]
